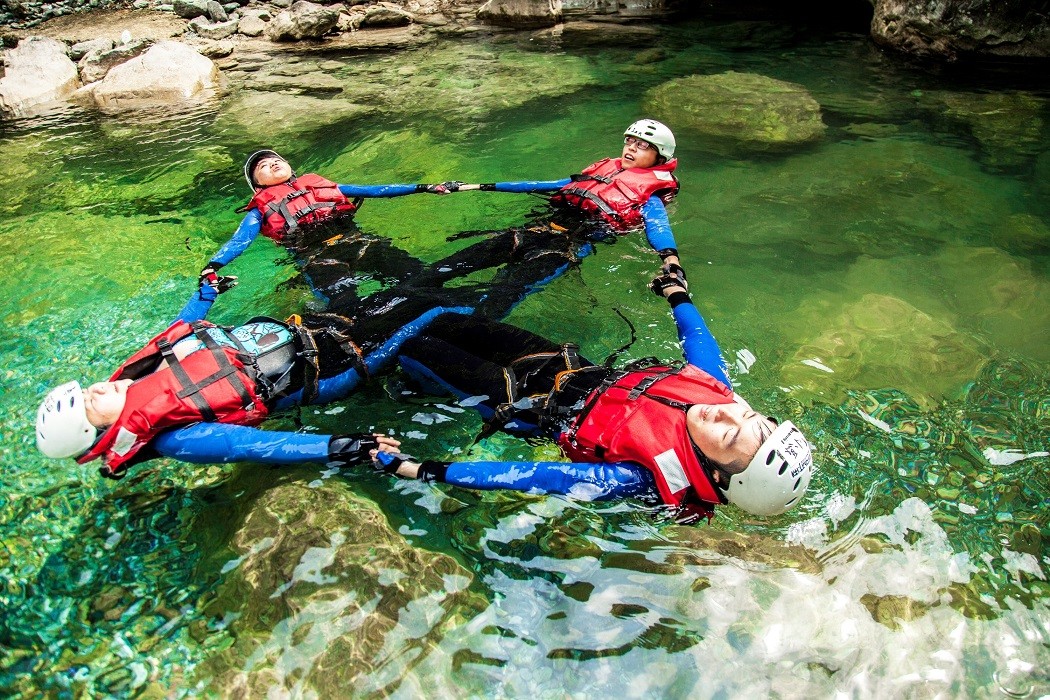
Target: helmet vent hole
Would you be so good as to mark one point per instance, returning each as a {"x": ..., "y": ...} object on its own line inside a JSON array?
[
  {"x": 783, "y": 468},
  {"x": 797, "y": 482},
  {"x": 791, "y": 501},
  {"x": 770, "y": 457}
]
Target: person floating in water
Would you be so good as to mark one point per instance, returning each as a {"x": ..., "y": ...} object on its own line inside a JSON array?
[
  {"x": 195, "y": 391},
  {"x": 610, "y": 197},
  {"x": 673, "y": 433},
  {"x": 312, "y": 217}
]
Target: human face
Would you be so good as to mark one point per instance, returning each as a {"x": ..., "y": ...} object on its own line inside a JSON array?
[
  {"x": 638, "y": 153},
  {"x": 729, "y": 434},
  {"x": 104, "y": 402},
  {"x": 271, "y": 171}
]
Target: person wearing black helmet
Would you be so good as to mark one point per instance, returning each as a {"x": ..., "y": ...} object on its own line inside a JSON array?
[
  {"x": 312, "y": 217},
  {"x": 676, "y": 434}
]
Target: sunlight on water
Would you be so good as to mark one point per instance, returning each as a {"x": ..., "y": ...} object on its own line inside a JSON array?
[{"x": 885, "y": 288}]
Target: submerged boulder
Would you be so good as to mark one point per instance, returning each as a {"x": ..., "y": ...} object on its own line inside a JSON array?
[
  {"x": 169, "y": 72},
  {"x": 953, "y": 29},
  {"x": 38, "y": 72},
  {"x": 743, "y": 109}
]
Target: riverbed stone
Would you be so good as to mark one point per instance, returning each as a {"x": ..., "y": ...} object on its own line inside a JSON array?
[
  {"x": 82, "y": 48},
  {"x": 251, "y": 25},
  {"x": 169, "y": 72},
  {"x": 215, "y": 11},
  {"x": 96, "y": 64},
  {"x": 521, "y": 13},
  {"x": 188, "y": 9},
  {"x": 38, "y": 72},
  {"x": 323, "y": 586},
  {"x": 953, "y": 29},
  {"x": 212, "y": 30},
  {"x": 587, "y": 33},
  {"x": 385, "y": 14},
  {"x": 302, "y": 20},
  {"x": 741, "y": 109}
]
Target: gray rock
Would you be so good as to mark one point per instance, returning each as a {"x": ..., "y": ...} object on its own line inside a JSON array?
[
  {"x": 251, "y": 25},
  {"x": 521, "y": 13},
  {"x": 188, "y": 9},
  {"x": 303, "y": 20},
  {"x": 385, "y": 15},
  {"x": 601, "y": 34},
  {"x": 38, "y": 71},
  {"x": 216, "y": 13},
  {"x": 281, "y": 3},
  {"x": 231, "y": 8},
  {"x": 213, "y": 30},
  {"x": 951, "y": 29},
  {"x": 80, "y": 49},
  {"x": 169, "y": 73},
  {"x": 95, "y": 65}
]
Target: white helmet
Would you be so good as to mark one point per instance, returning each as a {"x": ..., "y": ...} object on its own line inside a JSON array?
[
  {"x": 62, "y": 427},
  {"x": 655, "y": 133},
  {"x": 253, "y": 160},
  {"x": 777, "y": 475}
]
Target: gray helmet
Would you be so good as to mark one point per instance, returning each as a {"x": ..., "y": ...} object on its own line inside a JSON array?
[
  {"x": 652, "y": 131},
  {"x": 777, "y": 476},
  {"x": 253, "y": 160}
]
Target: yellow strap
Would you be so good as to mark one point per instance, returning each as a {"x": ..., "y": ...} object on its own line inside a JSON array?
[{"x": 294, "y": 319}]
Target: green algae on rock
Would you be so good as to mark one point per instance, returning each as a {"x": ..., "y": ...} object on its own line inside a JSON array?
[{"x": 741, "y": 109}]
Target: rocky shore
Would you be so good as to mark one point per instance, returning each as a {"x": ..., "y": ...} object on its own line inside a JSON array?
[{"x": 166, "y": 51}]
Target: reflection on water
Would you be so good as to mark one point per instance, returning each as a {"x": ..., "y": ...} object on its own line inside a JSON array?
[{"x": 886, "y": 289}]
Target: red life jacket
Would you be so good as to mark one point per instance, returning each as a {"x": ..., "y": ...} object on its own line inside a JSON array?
[
  {"x": 211, "y": 385},
  {"x": 301, "y": 200},
  {"x": 640, "y": 417},
  {"x": 618, "y": 194}
]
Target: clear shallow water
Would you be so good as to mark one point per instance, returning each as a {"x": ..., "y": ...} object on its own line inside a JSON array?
[{"x": 891, "y": 282}]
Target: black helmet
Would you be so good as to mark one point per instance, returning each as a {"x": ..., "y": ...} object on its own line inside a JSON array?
[{"x": 253, "y": 160}]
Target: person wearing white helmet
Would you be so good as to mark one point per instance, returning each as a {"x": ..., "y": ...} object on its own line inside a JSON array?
[
  {"x": 665, "y": 432},
  {"x": 195, "y": 391},
  {"x": 309, "y": 214},
  {"x": 609, "y": 197}
]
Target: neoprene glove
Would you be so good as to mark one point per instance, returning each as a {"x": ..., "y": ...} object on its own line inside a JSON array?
[
  {"x": 665, "y": 281},
  {"x": 345, "y": 450},
  {"x": 218, "y": 282},
  {"x": 444, "y": 187}
]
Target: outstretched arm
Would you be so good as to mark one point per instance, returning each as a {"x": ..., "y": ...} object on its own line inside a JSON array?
[
  {"x": 699, "y": 346},
  {"x": 582, "y": 480},
  {"x": 370, "y": 191},
  {"x": 247, "y": 232},
  {"x": 213, "y": 443},
  {"x": 658, "y": 229}
]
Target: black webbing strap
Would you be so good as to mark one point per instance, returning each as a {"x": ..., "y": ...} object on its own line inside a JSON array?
[
  {"x": 311, "y": 208},
  {"x": 598, "y": 201},
  {"x": 226, "y": 369},
  {"x": 641, "y": 387},
  {"x": 580, "y": 177},
  {"x": 184, "y": 380},
  {"x": 311, "y": 363}
]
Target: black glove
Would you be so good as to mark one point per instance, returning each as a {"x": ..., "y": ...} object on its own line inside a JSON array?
[
  {"x": 345, "y": 450},
  {"x": 220, "y": 283},
  {"x": 388, "y": 462},
  {"x": 208, "y": 274},
  {"x": 660, "y": 284},
  {"x": 444, "y": 187},
  {"x": 675, "y": 270}
]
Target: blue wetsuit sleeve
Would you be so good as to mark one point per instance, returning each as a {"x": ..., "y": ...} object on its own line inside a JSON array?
[
  {"x": 583, "y": 480},
  {"x": 531, "y": 185},
  {"x": 212, "y": 443},
  {"x": 377, "y": 190},
  {"x": 196, "y": 309},
  {"x": 241, "y": 239},
  {"x": 657, "y": 227},
  {"x": 699, "y": 346},
  {"x": 340, "y": 386}
]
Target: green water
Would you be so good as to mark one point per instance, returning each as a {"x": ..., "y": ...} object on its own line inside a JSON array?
[{"x": 891, "y": 282}]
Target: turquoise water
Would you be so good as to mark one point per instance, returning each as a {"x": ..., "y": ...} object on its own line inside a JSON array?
[{"x": 890, "y": 282}]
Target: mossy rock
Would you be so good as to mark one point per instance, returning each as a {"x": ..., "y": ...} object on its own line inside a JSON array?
[{"x": 740, "y": 109}]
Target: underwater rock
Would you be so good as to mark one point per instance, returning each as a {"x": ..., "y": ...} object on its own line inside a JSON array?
[
  {"x": 744, "y": 109},
  {"x": 881, "y": 341},
  {"x": 584, "y": 33},
  {"x": 953, "y": 29},
  {"x": 326, "y": 593},
  {"x": 170, "y": 72},
  {"x": 284, "y": 115},
  {"x": 38, "y": 72},
  {"x": 1009, "y": 125}
]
